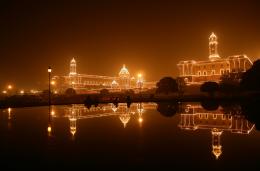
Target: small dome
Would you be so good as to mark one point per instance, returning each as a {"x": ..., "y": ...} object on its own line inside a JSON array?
[
  {"x": 114, "y": 82},
  {"x": 124, "y": 72}
]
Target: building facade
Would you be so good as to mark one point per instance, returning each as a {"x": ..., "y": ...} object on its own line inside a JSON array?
[
  {"x": 212, "y": 69},
  {"x": 84, "y": 83}
]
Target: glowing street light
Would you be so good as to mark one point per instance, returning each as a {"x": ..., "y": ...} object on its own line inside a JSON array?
[
  {"x": 140, "y": 81},
  {"x": 9, "y": 87},
  {"x": 4, "y": 92},
  {"x": 53, "y": 82},
  {"x": 52, "y": 112},
  {"x": 22, "y": 92}
]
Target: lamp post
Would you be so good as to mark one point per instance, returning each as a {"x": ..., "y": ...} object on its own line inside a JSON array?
[
  {"x": 139, "y": 82},
  {"x": 49, "y": 71}
]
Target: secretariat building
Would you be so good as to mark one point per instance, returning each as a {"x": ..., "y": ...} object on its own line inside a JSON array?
[
  {"x": 85, "y": 82},
  {"x": 214, "y": 67}
]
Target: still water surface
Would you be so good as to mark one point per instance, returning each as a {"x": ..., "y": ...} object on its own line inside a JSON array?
[{"x": 120, "y": 137}]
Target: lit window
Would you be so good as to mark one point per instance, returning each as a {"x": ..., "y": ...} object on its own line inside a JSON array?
[
  {"x": 207, "y": 116},
  {"x": 199, "y": 73},
  {"x": 221, "y": 71},
  {"x": 214, "y": 116},
  {"x": 204, "y": 72},
  {"x": 213, "y": 72}
]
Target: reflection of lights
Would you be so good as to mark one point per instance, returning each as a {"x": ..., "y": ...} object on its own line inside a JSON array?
[
  {"x": 124, "y": 118},
  {"x": 9, "y": 113},
  {"x": 49, "y": 129},
  {"x": 140, "y": 120},
  {"x": 73, "y": 125},
  {"x": 114, "y": 108}
]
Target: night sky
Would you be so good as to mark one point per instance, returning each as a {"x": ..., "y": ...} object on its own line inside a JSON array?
[{"x": 148, "y": 36}]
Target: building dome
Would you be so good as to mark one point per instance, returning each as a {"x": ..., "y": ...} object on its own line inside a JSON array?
[
  {"x": 114, "y": 83},
  {"x": 124, "y": 72}
]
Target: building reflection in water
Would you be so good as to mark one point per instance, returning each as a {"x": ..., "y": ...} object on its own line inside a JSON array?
[
  {"x": 77, "y": 111},
  {"x": 194, "y": 117}
]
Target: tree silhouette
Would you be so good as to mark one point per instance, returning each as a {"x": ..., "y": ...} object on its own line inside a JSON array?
[
  {"x": 251, "y": 78},
  {"x": 104, "y": 92},
  {"x": 209, "y": 87},
  {"x": 168, "y": 109},
  {"x": 70, "y": 92},
  {"x": 167, "y": 85}
]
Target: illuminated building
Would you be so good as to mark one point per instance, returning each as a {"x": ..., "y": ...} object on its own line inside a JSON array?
[
  {"x": 194, "y": 117},
  {"x": 84, "y": 82},
  {"x": 212, "y": 69}
]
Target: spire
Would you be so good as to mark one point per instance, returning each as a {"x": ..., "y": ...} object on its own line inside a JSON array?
[
  {"x": 213, "y": 47},
  {"x": 73, "y": 67}
]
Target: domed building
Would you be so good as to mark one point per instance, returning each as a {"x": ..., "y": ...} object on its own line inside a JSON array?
[
  {"x": 124, "y": 78},
  {"x": 85, "y": 83}
]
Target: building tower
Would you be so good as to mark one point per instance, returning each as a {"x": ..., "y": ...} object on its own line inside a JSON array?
[
  {"x": 73, "y": 67},
  {"x": 213, "y": 47},
  {"x": 124, "y": 77},
  {"x": 216, "y": 146}
]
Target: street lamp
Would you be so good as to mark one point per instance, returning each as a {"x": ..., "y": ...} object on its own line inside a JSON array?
[
  {"x": 49, "y": 71},
  {"x": 9, "y": 87},
  {"x": 140, "y": 81}
]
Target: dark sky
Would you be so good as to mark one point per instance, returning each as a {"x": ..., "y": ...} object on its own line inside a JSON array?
[{"x": 148, "y": 36}]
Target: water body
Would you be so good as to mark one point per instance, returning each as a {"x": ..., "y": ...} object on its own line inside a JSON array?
[{"x": 146, "y": 135}]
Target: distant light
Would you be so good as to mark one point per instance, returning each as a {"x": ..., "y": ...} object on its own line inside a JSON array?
[
  {"x": 49, "y": 69},
  {"x": 53, "y": 82},
  {"x": 55, "y": 92},
  {"x": 9, "y": 110},
  {"x": 52, "y": 112},
  {"x": 33, "y": 91},
  {"x": 4, "y": 92},
  {"x": 139, "y": 75},
  {"x": 22, "y": 92},
  {"x": 9, "y": 87},
  {"x": 140, "y": 120}
]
